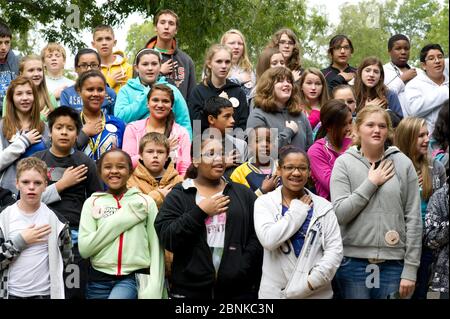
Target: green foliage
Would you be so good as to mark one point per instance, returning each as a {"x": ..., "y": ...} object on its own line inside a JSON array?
[
  {"x": 137, "y": 37},
  {"x": 202, "y": 22}
]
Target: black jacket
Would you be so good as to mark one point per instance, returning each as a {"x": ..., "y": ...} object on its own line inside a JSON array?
[
  {"x": 333, "y": 78},
  {"x": 180, "y": 225},
  {"x": 201, "y": 93}
]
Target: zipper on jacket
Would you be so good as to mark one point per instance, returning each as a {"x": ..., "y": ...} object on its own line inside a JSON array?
[{"x": 119, "y": 253}]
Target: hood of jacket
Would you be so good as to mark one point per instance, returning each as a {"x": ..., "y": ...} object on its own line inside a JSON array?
[
  {"x": 119, "y": 59},
  {"x": 130, "y": 192},
  {"x": 142, "y": 173},
  {"x": 355, "y": 152},
  {"x": 152, "y": 43},
  {"x": 135, "y": 83}
]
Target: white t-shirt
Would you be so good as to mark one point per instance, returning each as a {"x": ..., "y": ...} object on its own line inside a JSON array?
[
  {"x": 29, "y": 274},
  {"x": 52, "y": 84},
  {"x": 215, "y": 232}
]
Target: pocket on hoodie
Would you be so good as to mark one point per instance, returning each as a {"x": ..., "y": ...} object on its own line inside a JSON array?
[{"x": 234, "y": 267}]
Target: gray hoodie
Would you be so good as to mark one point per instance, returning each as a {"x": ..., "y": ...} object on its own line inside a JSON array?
[
  {"x": 366, "y": 212},
  {"x": 302, "y": 139}
]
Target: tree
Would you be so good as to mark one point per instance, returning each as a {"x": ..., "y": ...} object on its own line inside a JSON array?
[
  {"x": 138, "y": 35},
  {"x": 438, "y": 31}
]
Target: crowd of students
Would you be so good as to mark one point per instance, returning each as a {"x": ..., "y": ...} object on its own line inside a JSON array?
[{"x": 275, "y": 182}]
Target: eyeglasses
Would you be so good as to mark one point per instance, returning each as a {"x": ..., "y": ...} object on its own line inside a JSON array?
[
  {"x": 434, "y": 58},
  {"x": 93, "y": 66},
  {"x": 291, "y": 169},
  {"x": 345, "y": 47},
  {"x": 283, "y": 42}
]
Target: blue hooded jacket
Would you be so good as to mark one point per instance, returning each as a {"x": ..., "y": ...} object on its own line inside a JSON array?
[{"x": 131, "y": 103}]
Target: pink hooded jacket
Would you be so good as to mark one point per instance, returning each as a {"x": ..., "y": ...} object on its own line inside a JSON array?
[
  {"x": 322, "y": 157},
  {"x": 181, "y": 156}
]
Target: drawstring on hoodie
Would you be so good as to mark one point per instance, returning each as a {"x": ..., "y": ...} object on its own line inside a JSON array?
[{"x": 119, "y": 254}]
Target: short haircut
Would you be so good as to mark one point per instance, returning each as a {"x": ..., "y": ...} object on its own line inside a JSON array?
[
  {"x": 102, "y": 158},
  {"x": 428, "y": 47},
  {"x": 337, "y": 40},
  {"x": 102, "y": 27},
  {"x": 288, "y": 149},
  {"x": 64, "y": 111},
  {"x": 53, "y": 46},
  {"x": 215, "y": 104},
  {"x": 166, "y": 11},
  {"x": 5, "y": 31},
  {"x": 86, "y": 75},
  {"x": 154, "y": 137},
  {"x": 30, "y": 163},
  {"x": 395, "y": 38},
  {"x": 86, "y": 51}
]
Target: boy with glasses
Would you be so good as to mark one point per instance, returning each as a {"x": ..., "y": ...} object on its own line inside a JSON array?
[
  {"x": 425, "y": 93},
  {"x": 339, "y": 72},
  {"x": 87, "y": 59}
]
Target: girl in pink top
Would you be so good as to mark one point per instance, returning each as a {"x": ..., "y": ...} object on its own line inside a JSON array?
[
  {"x": 161, "y": 120},
  {"x": 331, "y": 142},
  {"x": 313, "y": 94}
]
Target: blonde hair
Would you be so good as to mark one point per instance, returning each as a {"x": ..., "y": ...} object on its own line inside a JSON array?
[
  {"x": 244, "y": 62},
  {"x": 53, "y": 46},
  {"x": 324, "y": 96},
  {"x": 31, "y": 163},
  {"x": 208, "y": 58},
  {"x": 406, "y": 135},
  {"x": 43, "y": 97},
  {"x": 364, "y": 113}
]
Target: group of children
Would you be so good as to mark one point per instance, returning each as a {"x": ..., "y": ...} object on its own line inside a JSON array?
[{"x": 281, "y": 183}]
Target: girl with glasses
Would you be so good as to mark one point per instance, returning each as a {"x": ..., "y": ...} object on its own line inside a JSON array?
[
  {"x": 85, "y": 60},
  {"x": 299, "y": 233},
  {"x": 339, "y": 72},
  {"x": 287, "y": 42}
]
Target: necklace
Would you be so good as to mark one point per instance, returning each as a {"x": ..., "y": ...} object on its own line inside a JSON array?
[
  {"x": 94, "y": 145},
  {"x": 54, "y": 78}
]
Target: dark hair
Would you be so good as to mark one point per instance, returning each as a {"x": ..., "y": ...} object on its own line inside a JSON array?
[
  {"x": 288, "y": 149},
  {"x": 64, "y": 111},
  {"x": 215, "y": 104},
  {"x": 337, "y": 40},
  {"x": 342, "y": 87},
  {"x": 86, "y": 75},
  {"x": 5, "y": 31},
  {"x": 428, "y": 47},
  {"x": 440, "y": 133},
  {"x": 192, "y": 171},
  {"x": 166, "y": 11},
  {"x": 332, "y": 116},
  {"x": 102, "y": 158},
  {"x": 171, "y": 117},
  {"x": 84, "y": 52},
  {"x": 146, "y": 51},
  {"x": 395, "y": 38}
]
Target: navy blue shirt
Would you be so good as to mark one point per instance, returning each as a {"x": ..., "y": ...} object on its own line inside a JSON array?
[{"x": 298, "y": 239}]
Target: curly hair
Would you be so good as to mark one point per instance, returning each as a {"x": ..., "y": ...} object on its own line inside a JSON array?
[{"x": 265, "y": 93}]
